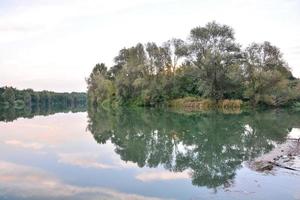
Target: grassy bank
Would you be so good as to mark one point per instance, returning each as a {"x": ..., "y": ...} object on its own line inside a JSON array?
[{"x": 196, "y": 104}]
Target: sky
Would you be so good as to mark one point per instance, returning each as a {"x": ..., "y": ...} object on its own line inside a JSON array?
[{"x": 54, "y": 44}]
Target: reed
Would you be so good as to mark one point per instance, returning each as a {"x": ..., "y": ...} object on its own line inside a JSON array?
[{"x": 195, "y": 103}]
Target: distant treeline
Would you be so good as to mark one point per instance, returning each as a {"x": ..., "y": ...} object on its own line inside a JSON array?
[
  {"x": 12, "y": 97},
  {"x": 210, "y": 65}
]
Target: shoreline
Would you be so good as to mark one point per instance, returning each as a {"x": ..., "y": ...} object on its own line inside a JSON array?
[{"x": 285, "y": 155}]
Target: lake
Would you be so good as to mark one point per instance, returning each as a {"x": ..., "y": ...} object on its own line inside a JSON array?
[{"x": 142, "y": 154}]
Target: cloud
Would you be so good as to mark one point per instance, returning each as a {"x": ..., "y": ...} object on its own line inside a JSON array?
[
  {"x": 295, "y": 50},
  {"x": 19, "y": 28},
  {"x": 20, "y": 144},
  {"x": 162, "y": 176},
  {"x": 25, "y": 182},
  {"x": 38, "y": 15},
  {"x": 91, "y": 160},
  {"x": 83, "y": 160}
]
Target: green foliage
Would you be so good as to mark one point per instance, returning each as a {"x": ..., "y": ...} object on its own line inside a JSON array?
[
  {"x": 13, "y": 98},
  {"x": 267, "y": 76},
  {"x": 214, "y": 51},
  {"x": 27, "y": 98},
  {"x": 211, "y": 65},
  {"x": 19, "y": 104},
  {"x": 8, "y": 96}
]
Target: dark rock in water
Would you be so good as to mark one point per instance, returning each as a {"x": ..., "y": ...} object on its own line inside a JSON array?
[
  {"x": 263, "y": 166},
  {"x": 267, "y": 167}
]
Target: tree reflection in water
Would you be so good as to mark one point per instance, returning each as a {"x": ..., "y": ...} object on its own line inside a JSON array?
[
  {"x": 212, "y": 146},
  {"x": 11, "y": 114}
]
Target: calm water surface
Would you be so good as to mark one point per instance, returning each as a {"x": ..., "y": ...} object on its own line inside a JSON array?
[{"x": 142, "y": 154}]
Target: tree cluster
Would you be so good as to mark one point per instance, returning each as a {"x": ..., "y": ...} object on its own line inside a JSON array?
[
  {"x": 11, "y": 97},
  {"x": 210, "y": 64}
]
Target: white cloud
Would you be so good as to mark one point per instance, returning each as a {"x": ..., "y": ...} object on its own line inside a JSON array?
[
  {"x": 20, "y": 144},
  {"x": 83, "y": 160},
  {"x": 162, "y": 176},
  {"x": 93, "y": 160}
]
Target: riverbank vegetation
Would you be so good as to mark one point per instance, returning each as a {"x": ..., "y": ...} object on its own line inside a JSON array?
[
  {"x": 19, "y": 99},
  {"x": 210, "y": 66}
]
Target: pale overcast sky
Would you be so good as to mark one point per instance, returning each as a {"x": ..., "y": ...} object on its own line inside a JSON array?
[{"x": 54, "y": 44}]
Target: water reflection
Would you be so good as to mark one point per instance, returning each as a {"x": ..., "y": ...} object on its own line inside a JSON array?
[
  {"x": 142, "y": 154},
  {"x": 10, "y": 114},
  {"x": 209, "y": 147},
  {"x": 53, "y": 158},
  {"x": 24, "y": 182}
]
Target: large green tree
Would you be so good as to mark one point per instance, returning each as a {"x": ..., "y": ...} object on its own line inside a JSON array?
[
  {"x": 214, "y": 51},
  {"x": 267, "y": 75}
]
